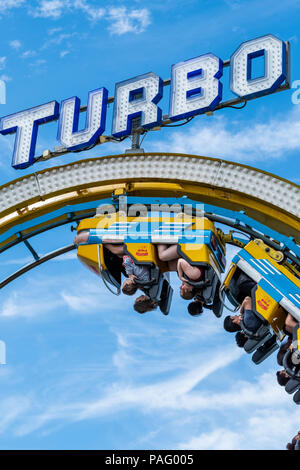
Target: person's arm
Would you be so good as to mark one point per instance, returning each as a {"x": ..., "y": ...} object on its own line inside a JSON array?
[
  {"x": 167, "y": 252},
  {"x": 246, "y": 305},
  {"x": 81, "y": 237},
  {"x": 180, "y": 270},
  {"x": 192, "y": 272}
]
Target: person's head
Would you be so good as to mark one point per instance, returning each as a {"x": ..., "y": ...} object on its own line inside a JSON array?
[
  {"x": 187, "y": 292},
  {"x": 282, "y": 377},
  {"x": 195, "y": 308},
  {"x": 232, "y": 323},
  {"x": 144, "y": 304},
  {"x": 241, "y": 339},
  {"x": 129, "y": 287},
  {"x": 291, "y": 445}
]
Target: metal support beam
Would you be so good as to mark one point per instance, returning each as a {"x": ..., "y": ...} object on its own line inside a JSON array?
[
  {"x": 41, "y": 260},
  {"x": 32, "y": 250}
]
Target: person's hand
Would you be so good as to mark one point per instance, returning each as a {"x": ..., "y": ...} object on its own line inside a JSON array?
[
  {"x": 81, "y": 237},
  {"x": 246, "y": 304}
]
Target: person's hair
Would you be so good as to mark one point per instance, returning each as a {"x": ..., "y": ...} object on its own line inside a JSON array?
[
  {"x": 230, "y": 326},
  {"x": 195, "y": 308},
  {"x": 282, "y": 379},
  {"x": 129, "y": 289},
  {"x": 188, "y": 295},
  {"x": 143, "y": 304},
  {"x": 282, "y": 351},
  {"x": 290, "y": 446},
  {"x": 241, "y": 339}
]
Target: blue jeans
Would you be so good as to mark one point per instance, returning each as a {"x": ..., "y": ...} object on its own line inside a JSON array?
[{"x": 251, "y": 321}]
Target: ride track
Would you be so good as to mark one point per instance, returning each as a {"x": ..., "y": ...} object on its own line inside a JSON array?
[{"x": 251, "y": 201}]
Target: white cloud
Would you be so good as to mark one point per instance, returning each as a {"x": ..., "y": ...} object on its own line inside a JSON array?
[
  {"x": 226, "y": 138},
  {"x": 12, "y": 409},
  {"x": 2, "y": 62},
  {"x": 63, "y": 54},
  {"x": 165, "y": 395},
  {"x": 76, "y": 302},
  {"x": 183, "y": 402},
  {"x": 84, "y": 298},
  {"x": 5, "y": 78},
  {"x": 123, "y": 21},
  {"x": 23, "y": 304},
  {"x": 56, "y": 8},
  {"x": 67, "y": 256},
  {"x": 93, "y": 13},
  {"x": 6, "y": 5},
  {"x": 19, "y": 261},
  {"x": 159, "y": 397},
  {"x": 27, "y": 259},
  {"x": 262, "y": 429},
  {"x": 58, "y": 39},
  {"x": 167, "y": 372},
  {"x": 49, "y": 9},
  {"x": 219, "y": 439},
  {"x": 178, "y": 370},
  {"x": 28, "y": 54},
  {"x": 53, "y": 31},
  {"x": 38, "y": 64},
  {"x": 15, "y": 44}
]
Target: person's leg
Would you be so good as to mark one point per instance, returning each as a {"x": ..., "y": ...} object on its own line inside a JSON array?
[
  {"x": 167, "y": 252},
  {"x": 194, "y": 273},
  {"x": 115, "y": 249},
  {"x": 250, "y": 319}
]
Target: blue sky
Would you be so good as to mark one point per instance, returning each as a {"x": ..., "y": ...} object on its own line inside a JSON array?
[{"x": 83, "y": 369}]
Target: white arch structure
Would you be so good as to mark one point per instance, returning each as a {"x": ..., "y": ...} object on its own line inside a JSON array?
[{"x": 267, "y": 198}]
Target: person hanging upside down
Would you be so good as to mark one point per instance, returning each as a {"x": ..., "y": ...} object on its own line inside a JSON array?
[
  {"x": 232, "y": 323},
  {"x": 134, "y": 271},
  {"x": 295, "y": 444},
  {"x": 114, "y": 246},
  {"x": 186, "y": 272},
  {"x": 168, "y": 254}
]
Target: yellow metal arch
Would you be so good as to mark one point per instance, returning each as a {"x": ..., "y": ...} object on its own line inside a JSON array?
[{"x": 267, "y": 198}]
